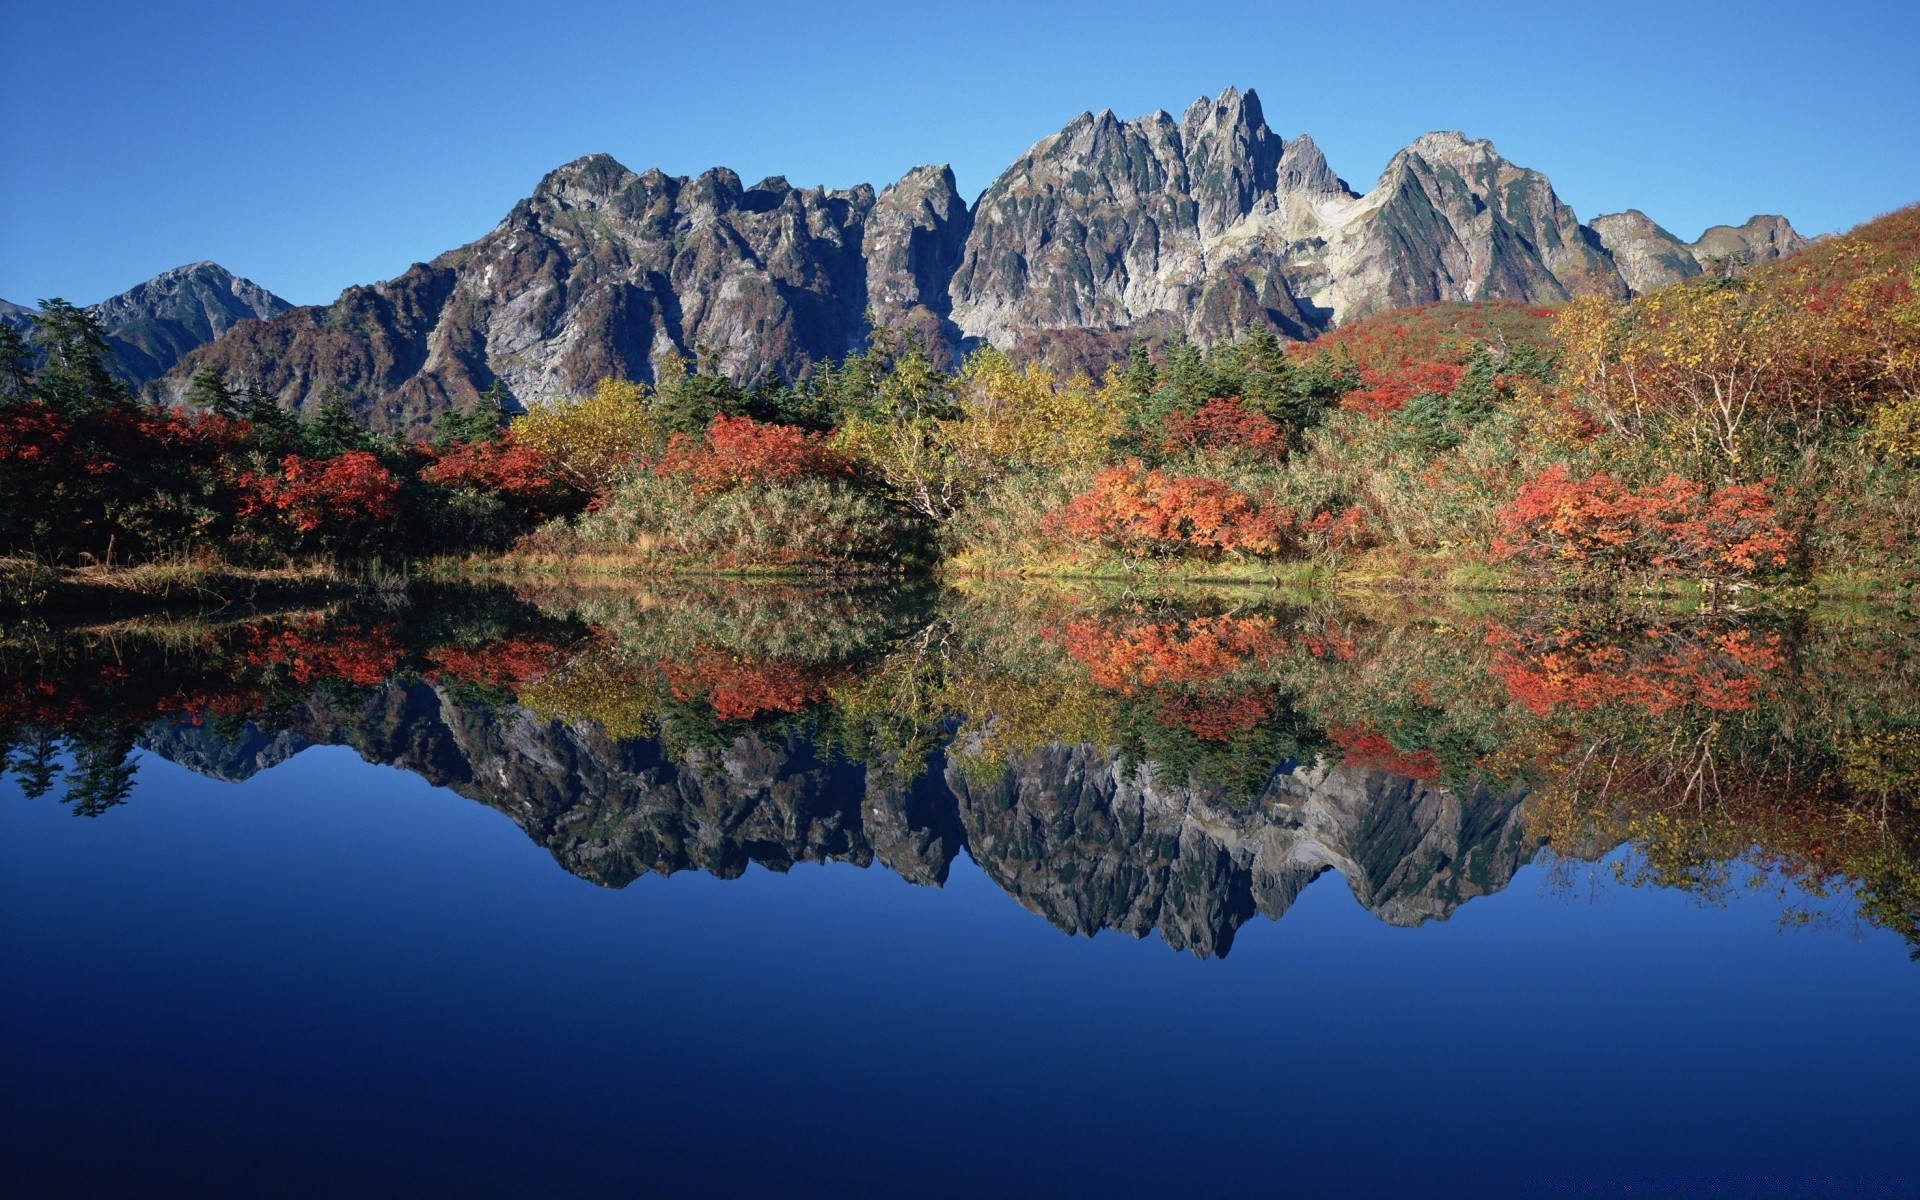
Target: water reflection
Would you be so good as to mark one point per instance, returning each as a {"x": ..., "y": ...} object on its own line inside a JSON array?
[{"x": 1172, "y": 764}]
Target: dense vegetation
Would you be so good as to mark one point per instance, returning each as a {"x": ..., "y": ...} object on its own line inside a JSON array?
[{"x": 1763, "y": 424}]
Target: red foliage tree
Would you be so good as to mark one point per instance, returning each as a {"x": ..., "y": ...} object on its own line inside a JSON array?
[
  {"x": 1147, "y": 512},
  {"x": 1386, "y": 390},
  {"x": 1227, "y": 424},
  {"x": 740, "y": 450},
  {"x": 351, "y": 489},
  {"x": 506, "y": 467},
  {"x": 1674, "y": 525}
]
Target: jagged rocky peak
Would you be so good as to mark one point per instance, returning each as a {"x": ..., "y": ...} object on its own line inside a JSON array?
[
  {"x": 1646, "y": 255},
  {"x": 1303, "y": 169},
  {"x": 203, "y": 295},
  {"x": 1103, "y": 232},
  {"x": 914, "y": 239},
  {"x": 1760, "y": 239},
  {"x": 1109, "y": 222},
  {"x": 1232, "y": 159},
  {"x": 587, "y": 182}
]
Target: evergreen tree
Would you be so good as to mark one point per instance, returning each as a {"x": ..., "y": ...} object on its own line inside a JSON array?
[
  {"x": 73, "y": 375},
  {"x": 333, "y": 430},
  {"x": 16, "y": 367},
  {"x": 1140, "y": 380},
  {"x": 209, "y": 392}
]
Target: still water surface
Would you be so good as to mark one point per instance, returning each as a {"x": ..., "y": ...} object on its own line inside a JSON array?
[{"x": 644, "y": 912}]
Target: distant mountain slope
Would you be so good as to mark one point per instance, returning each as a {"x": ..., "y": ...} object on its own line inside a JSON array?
[
  {"x": 1102, "y": 232},
  {"x": 154, "y": 324},
  {"x": 1649, "y": 257}
]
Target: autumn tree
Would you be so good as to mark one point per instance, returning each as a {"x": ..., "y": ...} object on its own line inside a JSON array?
[{"x": 592, "y": 440}]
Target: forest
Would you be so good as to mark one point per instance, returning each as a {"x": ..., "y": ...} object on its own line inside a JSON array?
[{"x": 1750, "y": 428}]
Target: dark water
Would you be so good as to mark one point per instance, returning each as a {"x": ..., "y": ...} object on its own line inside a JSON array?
[{"x": 787, "y": 893}]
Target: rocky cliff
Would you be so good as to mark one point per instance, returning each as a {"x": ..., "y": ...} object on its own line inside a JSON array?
[
  {"x": 153, "y": 325},
  {"x": 1075, "y": 835},
  {"x": 604, "y": 272},
  {"x": 1649, "y": 257},
  {"x": 1107, "y": 230}
]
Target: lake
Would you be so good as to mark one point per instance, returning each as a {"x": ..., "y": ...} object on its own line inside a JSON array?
[{"x": 711, "y": 889}]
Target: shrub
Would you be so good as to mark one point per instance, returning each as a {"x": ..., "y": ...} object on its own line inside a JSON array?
[
  {"x": 813, "y": 521},
  {"x": 737, "y": 451},
  {"x": 1599, "y": 523},
  {"x": 337, "y": 496},
  {"x": 1150, "y": 513},
  {"x": 1227, "y": 424}
]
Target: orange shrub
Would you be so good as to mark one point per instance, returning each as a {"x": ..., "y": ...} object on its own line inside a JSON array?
[
  {"x": 351, "y": 489},
  {"x": 740, "y": 450},
  {"x": 1675, "y": 525},
  {"x": 1145, "y": 512}
]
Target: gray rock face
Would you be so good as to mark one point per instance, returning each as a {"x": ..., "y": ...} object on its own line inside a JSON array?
[
  {"x": 1103, "y": 232},
  {"x": 915, "y": 238},
  {"x": 1108, "y": 222},
  {"x": 1761, "y": 239},
  {"x": 1069, "y": 831},
  {"x": 153, "y": 325},
  {"x": 602, "y": 272},
  {"x": 1648, "y": 256}
]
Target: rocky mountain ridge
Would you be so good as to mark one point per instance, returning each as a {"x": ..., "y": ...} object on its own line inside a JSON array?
[
  {"x": 1107, "y": 230},
  {"x": 153, "y": 325}
]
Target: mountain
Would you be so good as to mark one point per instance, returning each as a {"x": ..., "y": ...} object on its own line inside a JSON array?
[
  {"x": 1104, "y": 232},
  {"x": 153, "y": 325},
  {"x": 602, "y": 271},
  {"x": 1649, "y": 257}
]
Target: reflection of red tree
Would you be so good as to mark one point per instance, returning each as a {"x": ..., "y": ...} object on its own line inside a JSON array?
[
  {"x": 741, "y": 689},
  {"x": 509, "y": 662},
  {"x": 1361, "y": 746},
  {"x": 1658, "y": 669},
  {"x": 1217, "y": 717},
  {"x": 312, "y": 652},
  {"x": 1127, "y": 656}
]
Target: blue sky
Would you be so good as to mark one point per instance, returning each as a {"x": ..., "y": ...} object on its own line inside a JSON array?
[{"x": 313, "y": 146}]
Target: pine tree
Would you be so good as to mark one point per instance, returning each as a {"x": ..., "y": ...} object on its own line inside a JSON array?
[
  {"x": 73, "y": 376},
  {"x": 209, "y": 392},
  {"x": 16, "y": 367}
]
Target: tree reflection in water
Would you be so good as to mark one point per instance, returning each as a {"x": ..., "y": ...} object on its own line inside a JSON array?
[{"x": 1173, "y": 764}]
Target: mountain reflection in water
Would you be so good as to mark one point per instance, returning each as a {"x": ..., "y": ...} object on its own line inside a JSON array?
[{"x": 1169, "y": 765}]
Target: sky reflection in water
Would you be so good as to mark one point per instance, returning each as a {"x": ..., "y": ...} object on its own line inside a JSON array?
[{"x": 333, "y": 976}]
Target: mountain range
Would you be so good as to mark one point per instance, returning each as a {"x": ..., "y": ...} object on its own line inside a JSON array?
[
  {"x": 153, "y": 325},
  {"x": 1104, "y": 232}
]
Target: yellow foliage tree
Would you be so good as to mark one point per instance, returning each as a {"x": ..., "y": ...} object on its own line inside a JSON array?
[
  {"x": 1006, "y": 419},
  {"x": 596, "y": 439}
]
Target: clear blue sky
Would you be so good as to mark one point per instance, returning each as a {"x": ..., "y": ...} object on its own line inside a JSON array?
[{"x": 313, "y": 146}]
